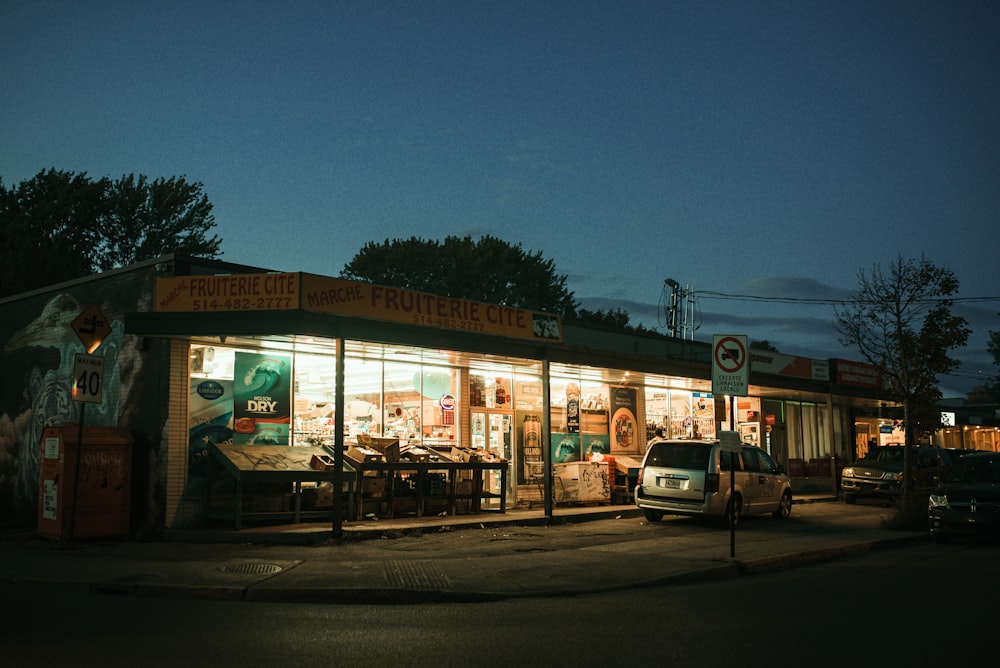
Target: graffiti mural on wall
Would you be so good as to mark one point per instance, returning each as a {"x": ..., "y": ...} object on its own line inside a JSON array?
[{"x": 37, "y": 360}]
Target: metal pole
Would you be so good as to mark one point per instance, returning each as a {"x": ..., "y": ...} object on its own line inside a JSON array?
[
  {"x": 338, "y": 444},
  {"x": 545, "y": 438},
  {"x": 76, "y": 472},
  {"x": 831, "y": 434},
  {"x": 732, "y": 511},
  {"x": 732, "y": 482}
]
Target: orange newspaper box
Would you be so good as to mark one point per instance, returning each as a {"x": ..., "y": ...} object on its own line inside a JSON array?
[{"x": 84, "y": 491}]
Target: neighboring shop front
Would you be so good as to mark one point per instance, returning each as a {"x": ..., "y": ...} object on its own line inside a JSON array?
[
  {"x": 875, "y": 423},
  {"x": 975, "y": 427}
]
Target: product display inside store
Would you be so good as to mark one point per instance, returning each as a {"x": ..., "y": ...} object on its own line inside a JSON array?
[
  {"x": 431, "y": 431},
  {"x": 402, "y": 427}
]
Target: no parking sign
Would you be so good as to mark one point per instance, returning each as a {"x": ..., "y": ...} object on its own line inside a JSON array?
[{"x": 730, "y": 367}]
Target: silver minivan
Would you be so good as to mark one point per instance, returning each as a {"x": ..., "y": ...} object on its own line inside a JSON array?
[{"x": 692, "y": 477}]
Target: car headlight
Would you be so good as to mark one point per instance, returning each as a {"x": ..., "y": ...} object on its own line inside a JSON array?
[
  {"x": 893, "y": 475},
  {"x": 848, "y": 471},
  {"x": 937, "y": 501}
]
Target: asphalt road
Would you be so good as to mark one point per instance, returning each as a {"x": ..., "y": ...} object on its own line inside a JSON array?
[{"x": 914, "y": 604}]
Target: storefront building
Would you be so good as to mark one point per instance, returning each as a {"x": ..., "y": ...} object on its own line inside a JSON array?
[
  {"x": 208, "y": 362},
  {"x": 971, "y": 427}
]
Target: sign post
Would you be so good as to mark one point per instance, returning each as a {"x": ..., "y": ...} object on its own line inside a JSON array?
[
  {"x": 731, "y": 377},
  {"x": 91, "y": 327},
  {"x": 729, "y": 441}
]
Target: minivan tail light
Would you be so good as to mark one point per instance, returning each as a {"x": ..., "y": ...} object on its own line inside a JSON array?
[{"x": 712, "y": 482}]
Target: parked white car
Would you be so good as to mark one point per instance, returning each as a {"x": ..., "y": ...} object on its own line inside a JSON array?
[{"x": 692, "y": 477}]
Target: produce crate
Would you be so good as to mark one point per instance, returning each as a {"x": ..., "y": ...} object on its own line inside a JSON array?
[
  {"x": 373, "y": 487},
  {"x": 321, "y": 463},
  {"x": 363, "y": 455},
  {"x": 274, "y": 503}
]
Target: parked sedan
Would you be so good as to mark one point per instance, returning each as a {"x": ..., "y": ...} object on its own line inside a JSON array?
[
  {"x": 968, "y": 499},
  {"x": 880, "y": 474}
]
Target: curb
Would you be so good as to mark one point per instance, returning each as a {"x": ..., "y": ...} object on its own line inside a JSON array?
[{"x": 712, "y": 572}]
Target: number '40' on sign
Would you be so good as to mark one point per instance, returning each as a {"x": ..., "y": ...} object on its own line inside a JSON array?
[{"x": 88, "y": 378}]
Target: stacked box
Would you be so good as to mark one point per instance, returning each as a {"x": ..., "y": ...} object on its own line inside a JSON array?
[
  {"x": 464, "y": 488},
  {"x": 362, "y": 454},
  {"x": 464, "y": 455},
  {"x": 415, "y": 454},
  {"x": 373, "y": 487},
  {"x": 321, "y": 463},
  {"x": 436, "y": 506},
  {"x": 273, "y": 503},
  {"x": 437, "y": 484},
  {"x": 324, "y": 495}
]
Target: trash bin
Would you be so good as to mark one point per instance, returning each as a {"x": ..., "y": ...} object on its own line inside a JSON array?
[{"x": 101, "y": 483}]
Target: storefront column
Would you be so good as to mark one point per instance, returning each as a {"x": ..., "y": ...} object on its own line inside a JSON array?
[
  {"x": 546, "y": 437},
  {"x": 831, "y": 436},
  {"x": 338, "y": 443}
]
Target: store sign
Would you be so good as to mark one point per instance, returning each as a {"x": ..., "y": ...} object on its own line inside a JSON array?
[
  {"x": 765, "y": 361},
  {"x": 229, "y": 293},
  {"x": 857, "y": 373},
  {"x": 378, "y": 302},
  {"x": 287, "y": 291}
]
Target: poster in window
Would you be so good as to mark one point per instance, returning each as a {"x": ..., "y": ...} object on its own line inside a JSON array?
[
  {"x": 624, "y": 426},
  {"x": 210, "y": 411},
  {"x": 263, "y": 399}
]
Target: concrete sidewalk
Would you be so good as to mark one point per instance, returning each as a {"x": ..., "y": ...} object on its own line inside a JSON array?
[{"x": 464, "y": 558}]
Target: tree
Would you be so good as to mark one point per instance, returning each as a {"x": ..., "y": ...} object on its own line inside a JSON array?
[
  {"x": 144, "y": 219},
  {"x": 993, "y": 345},
  {"x": 616, "y": 318},
  {"x": 901, "y": 322},
  {"x": 980, "y": 394},
  {"x": 61, "y": 225},
  {"x": 763, "y": 344},
  {"x": 47, "y": 229},
  {"x": 488, "y": 270}
]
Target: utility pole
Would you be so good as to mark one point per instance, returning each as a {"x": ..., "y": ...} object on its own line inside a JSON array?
[
  {"x": 680, "y": 310},
  {"x": 673, "y": 317}
]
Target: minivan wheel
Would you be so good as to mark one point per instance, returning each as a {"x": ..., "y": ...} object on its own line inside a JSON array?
[
  {"x": 653, "y": 515},
  {"x": 849, "y": 498},
  {"x": 784, "y": 508},
  {"x": 734, "y": 511}
]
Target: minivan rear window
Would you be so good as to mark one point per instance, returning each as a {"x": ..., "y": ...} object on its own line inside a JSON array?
[{"x": 679, "y": 456}]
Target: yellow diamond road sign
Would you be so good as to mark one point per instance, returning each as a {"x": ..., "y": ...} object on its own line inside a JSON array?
[{"x": 91, "y": 326}]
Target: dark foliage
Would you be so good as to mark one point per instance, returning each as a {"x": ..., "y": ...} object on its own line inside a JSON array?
[{"x": 61, "y": 225}]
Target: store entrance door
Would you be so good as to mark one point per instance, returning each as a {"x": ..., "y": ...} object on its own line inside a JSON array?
[{"x": 493, "y": 430}]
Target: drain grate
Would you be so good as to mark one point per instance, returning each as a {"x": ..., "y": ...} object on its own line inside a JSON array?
[
  {"x": 415, "y": 575},
  {"x": 252, "y": 569}
]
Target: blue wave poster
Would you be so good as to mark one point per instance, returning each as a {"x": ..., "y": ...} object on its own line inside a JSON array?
[{"x": 262, "y": 385}]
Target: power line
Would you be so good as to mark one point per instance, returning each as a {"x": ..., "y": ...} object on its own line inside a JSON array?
[{"x": 708, "y": 294}]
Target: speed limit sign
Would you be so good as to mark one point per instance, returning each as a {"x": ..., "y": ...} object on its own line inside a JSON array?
[{"x": 88, "y": 378}]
